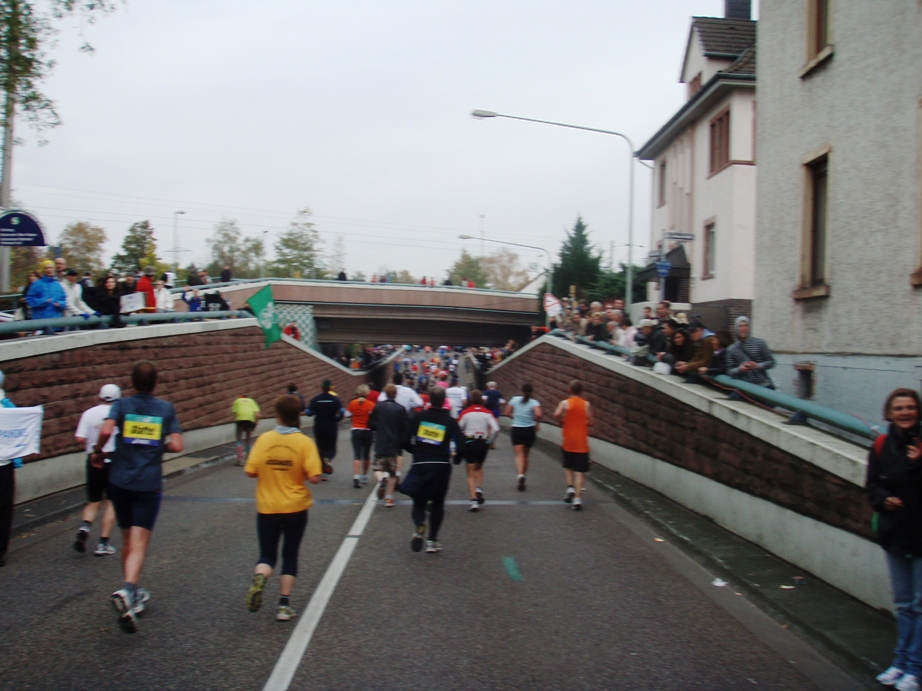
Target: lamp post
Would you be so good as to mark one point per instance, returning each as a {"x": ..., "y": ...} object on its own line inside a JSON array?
[
  {"x": 176, "y": 241},
  {"x": 550, "y": 265},
  {"x": 484, "y": 114}
]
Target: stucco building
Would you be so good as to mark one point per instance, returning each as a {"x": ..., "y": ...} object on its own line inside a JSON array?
[
  {"x": 838, "y": 270},
  {"x": 704, "y": 175}
]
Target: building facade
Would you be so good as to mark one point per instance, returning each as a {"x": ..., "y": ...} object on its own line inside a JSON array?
[
  {"x": 704, "y": 174},
  {"x": 838, "y": 270}
]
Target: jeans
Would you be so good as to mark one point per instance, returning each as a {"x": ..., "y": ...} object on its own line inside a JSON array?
[{"x": 906, "y": 581}]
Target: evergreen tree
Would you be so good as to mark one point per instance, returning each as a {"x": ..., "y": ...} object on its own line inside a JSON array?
[
  {"x": 297, "y": 250},
  {"x": 579, "y": 265},
  {"x": 611, "y": 284},
  {"x": 137, "y": 247},
  {"x": 468, "y": 267}
]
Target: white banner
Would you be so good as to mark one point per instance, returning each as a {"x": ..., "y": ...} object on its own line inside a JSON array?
[
  {"x": 20, "y": 431},
  {"x": 552, "y": 305},
  {"x": 132, "y": 303}
]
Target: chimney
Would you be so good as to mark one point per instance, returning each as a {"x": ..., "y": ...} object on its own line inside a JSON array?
[{"x": 738, "y": 9}]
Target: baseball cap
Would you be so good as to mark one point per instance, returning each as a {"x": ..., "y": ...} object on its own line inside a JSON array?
[
  {"x": 110, "y": 392},
  {"x": 646, "y": 322}
]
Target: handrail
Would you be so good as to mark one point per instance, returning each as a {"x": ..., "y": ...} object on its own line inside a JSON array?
[
  {"x": 802, "y": 409},
  {"x": 68, "y": 322}
]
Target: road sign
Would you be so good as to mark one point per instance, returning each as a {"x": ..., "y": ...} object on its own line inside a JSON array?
[
  {"x": 681, "y": 237},
  {"x": 662, "y": 269},
  {"x": 19, "y": 229},
  {"x": 552, "y": 305}
]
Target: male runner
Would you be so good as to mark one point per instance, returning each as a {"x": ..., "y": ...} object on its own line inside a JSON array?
[
  {"x": 246, "y": 412},
  {"x": 480, "y": 429},
  {"x": 389, "y": 421},
  {"x": 97, "y": 478},
  {"x": 576, "y": 418},
  {"x": 147, "y": 427},
  {"x": 328, "y": 410}
]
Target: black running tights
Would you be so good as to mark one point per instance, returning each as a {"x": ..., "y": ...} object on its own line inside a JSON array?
[{"x": 271, "y": 527}]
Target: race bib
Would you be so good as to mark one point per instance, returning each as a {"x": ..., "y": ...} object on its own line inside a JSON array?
[
  {"x": 146, "y": 430},
  {"x": 430, "y": 433}
]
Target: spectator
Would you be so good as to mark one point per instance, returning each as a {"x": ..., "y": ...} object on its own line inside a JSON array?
[
  {"x": 60, "y": 266},
  {"x": 432, "y": 281},
  {"x": 163, "y": 298},
  {"x": 292, "y": 330},
  {"x": 46, "y": 297},
  {"x": 107, "y": 300},
  {"x": 226, "y": 274},
  {"x": 293, "y": 391},
  {"x": 659, "y": 339},
  {"x": 628, "y": 331},
  {"x": 73, "y": 289},
  {"x": 641, "y": 346},
  {"x": 374, "y": 278},
  {"x": 192, "y": 278},
  {"x": 681, "y": 349},
  {"x": 192, "y": 298},
  {"x": 749, "y": 358},
  {"x": 128, "y": 284},
  {"x": 424, "y": 281},
  {"x": 146, "y": 286},
  {"x": 448, "y": 282},
  {"x": 25, "y": 310},
  {"x": 663, "y": 311},
  {"x": 704, "y": 350},
  {"x": 169, "y": 279},
  {"x": 87, "y": 281},
  {"x": 537, "y": 331},
  {"x": 204, "y": 278},
  {"x": 596, "y": 330},
  {"x": 647, "y": 313},
  {"x": 719, "y": 363},
  {"x": 342, "y": 275},
  {"x": 215, "y": 302}
]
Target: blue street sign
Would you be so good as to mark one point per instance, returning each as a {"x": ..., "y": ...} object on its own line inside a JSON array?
[
  {"x": 19, "y": 229},
  {"x": 662, "y": 268}
]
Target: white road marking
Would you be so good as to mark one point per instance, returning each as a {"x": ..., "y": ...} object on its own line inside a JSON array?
[{"x": 293, "y": 653}]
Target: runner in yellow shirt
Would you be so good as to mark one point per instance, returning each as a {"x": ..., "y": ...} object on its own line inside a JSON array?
[
  {"x": 246, "y": 412},
  {"x": 281, "y": 461}
]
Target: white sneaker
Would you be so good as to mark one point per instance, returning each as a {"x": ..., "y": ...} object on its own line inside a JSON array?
[
  {"x": 909, "y": 682},
  {"x": 103, "y": 550},
  {"x": 890, "y": 676},
  {"x": 474, "y": 506}
]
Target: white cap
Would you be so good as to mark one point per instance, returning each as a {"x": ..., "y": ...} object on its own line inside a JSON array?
[
  {"x": 646, "y": 322},
  {"x": 110, "y": 392}
]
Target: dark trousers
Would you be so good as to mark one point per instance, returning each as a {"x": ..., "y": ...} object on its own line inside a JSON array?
[
  {"x": 437, "y": 477},
  {"x": 7, "y": 491}
]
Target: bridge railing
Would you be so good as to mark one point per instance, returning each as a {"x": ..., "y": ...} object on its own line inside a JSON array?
[
  {"x": 801, "y": 410},
  {"x": 64, "y": 323}
]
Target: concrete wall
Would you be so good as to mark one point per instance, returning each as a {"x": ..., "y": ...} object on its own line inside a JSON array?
[
  {"x": 202, "y": 367},
  {"x": 796, "y": 491}
]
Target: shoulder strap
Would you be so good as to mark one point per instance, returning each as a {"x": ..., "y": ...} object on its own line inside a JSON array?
[{"x": 879, "y": 444}]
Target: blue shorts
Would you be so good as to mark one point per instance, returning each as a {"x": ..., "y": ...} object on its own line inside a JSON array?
[{"x": 134, "y": 509}]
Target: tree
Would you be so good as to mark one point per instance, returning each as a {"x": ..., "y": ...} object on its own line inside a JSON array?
[
  {"x": 138, "y": 247},
  {"x": 467, "y": 267},
  {"x": 22, "y": 261},
  {"x": 297, "y": 250},
  {"x": 252, "y": 254},
  {"x": 225, "y": 247},
  {"x": 503, "y": 272},
  {"x": 358, "y": 276},
  {"x": 579, "y": 265},
  {"x": 337, "y": 259},
  {"x": 82, "y": 246},
  {"x": 611, "y": 284},
  {"x": 402, "y": 276}
]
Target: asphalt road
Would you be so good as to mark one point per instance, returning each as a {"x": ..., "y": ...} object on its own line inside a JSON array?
[{"x": 526, "y": 594}]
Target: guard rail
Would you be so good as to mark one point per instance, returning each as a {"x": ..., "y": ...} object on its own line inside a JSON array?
[{"x": 25, "y": 326}]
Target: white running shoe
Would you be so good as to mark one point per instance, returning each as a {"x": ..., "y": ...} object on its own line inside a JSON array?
[
  {"x": 122, "y": 603},
  {"x": 577, "y": 504},
  {"x": 474, "y": 506},
  {"x": 433, "y": 546},
  {"x": 285, "y": 613},
  {"x": 909, "y": 682},
  {"x": 103, "y": 550},
  {"x": 890, "y": 676}
]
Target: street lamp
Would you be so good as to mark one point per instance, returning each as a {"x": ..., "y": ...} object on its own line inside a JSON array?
[
  {"x": 550, "y": 265},
  {"x": 176, "y": 241},
  {"x": 484, "y": 114}
]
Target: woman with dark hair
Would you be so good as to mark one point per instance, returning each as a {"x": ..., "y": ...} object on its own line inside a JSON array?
[
  {"x": 23, "y": 305},
  {"x": 281, "y": 461},
  {"x": 328, "y": 410},
  {"x": 525, "y": 412},
  {"x": 680, "y": 349},
  {"x": 894, "y": 489},
  {"x": 106, "y": 299},
  {"x": 719, "y": 362}
]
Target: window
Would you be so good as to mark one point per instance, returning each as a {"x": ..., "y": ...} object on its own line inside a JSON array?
[
  {"x": 720, "y": 142},
  {"x": 661, "y": 185},
  {"x": 818, "y": 174},
  {"x": 818, "y": 27},
  {"x": 710, "y": 249}
]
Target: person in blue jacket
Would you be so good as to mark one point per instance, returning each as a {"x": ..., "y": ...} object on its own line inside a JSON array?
[{"x": 46, "y": 297}]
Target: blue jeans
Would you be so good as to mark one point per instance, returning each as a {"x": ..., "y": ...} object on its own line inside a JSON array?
[{"x": 906, "y": 581}]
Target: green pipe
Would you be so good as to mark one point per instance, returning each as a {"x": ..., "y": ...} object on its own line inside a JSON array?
[{"x": 66, "y": 322}]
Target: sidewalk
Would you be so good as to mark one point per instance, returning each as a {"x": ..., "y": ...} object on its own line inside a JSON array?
[{"x": 855, "y": 635}]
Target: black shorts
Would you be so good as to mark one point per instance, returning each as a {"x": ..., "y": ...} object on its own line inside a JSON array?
[
  {"x": 134, "y": 509},
  {"x": 361, "y": 444},
  {"x": 475, "y": 450},
  {"x": 245, "y": 426},
  {"x": 577, "y": 462},
  {"x": 523, "y": 436},
  {"x": 326, "y": 443},
  {"x": 97, "y": 479}
]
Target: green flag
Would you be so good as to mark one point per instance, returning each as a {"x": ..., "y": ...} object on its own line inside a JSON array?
[{"x": 264, "y": 308}]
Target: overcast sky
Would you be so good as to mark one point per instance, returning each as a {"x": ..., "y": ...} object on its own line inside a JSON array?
[{"x": 360, "y": 110}]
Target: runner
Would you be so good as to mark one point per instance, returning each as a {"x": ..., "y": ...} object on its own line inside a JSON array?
[
  {"x": 525, "y": 412},
  {"x": 147, "y": 427},
  {"x": 97, "y": 477},
  {"x": 479, "y": 428},
  {"x": 457, "y": 396},
  {"x": 281, "y": 460},
  {"x": 429, "y": 436},
  {"x": 492, "y": 399},
  {"x": 575, "y": 416},
  {"x": 389, "y": 421},
  {"x": 360, "y": 409},
  {"x": 329, "y": 411},
  {"x": 246, "y": 412}
]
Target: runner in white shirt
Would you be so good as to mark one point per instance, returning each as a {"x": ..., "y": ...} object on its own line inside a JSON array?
[
  {"x": 97, "y": 478},
  {"x": 480, "y": 429},
  {"x": 406, "y": 396},
  {"x": 457, "y": 396}
]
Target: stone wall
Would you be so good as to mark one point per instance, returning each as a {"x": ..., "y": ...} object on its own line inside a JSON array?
[
  {"x": 200, "y": 373},
  {"x": 636, "y": 416}
]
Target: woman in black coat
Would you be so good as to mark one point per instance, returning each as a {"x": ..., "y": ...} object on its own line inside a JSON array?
[
  {"x": 106, "y": 300},
  {"x": 894, "y": 489}
]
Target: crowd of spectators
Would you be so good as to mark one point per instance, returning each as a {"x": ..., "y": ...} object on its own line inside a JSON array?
[{"x": 670, "y": 343}]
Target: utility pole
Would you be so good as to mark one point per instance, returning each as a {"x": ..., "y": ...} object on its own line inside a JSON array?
[
  {"x": 482, "y": 236},
  {"x": 6, "y": 186}
]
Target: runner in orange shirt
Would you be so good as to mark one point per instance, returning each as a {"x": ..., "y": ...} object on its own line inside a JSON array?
[
  {"x": 575, "y": 416},
  {"x": 359, "y": 409}
]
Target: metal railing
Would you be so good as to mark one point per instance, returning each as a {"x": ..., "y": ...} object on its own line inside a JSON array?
[
  {"x": 63, "y": 323},
  {"x": 801, "y": 410}
]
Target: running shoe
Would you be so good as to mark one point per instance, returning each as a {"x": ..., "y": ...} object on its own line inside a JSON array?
[
  {"x": 890, "y": 676},
  {"x": 382, "y": 487},
  {"x": 364, "y": 479},
  {"x": 356, "y": 484},
  {"x": 909, "y": 682},
  {"x": 123, "y": 604},
  {"x": 388, "y": 503},
  {"x": 103, "y": 550},
  {"x": 577, "y": 504},
  {"x": 433, "y": 546},
  {"x": 255, "y": 593},
  {"x": 479, "y": 493},
  {"x": 521, "y": 487},
  {"x": 80, "y": 542},
  {"x": 141, "y": 598},
  {"x": 568, "y": 498},
  {"x": 416, "y": 542},
  {"x": 474, "y": 506},
  {"x": 240, "y": 454},
  {"x": 285, "y": 613}
]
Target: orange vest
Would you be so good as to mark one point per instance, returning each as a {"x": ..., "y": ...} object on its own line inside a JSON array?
[{"x": 575, "y": 427}]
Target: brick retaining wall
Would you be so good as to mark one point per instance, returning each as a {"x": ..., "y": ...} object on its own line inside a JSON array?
[
  {"x": 200, "y": 374},
  {"x": 640, "y": 418}
]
